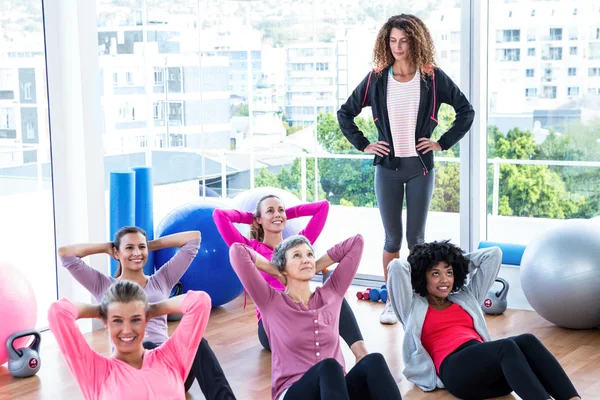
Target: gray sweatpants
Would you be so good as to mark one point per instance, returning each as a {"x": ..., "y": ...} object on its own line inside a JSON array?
[{"x": 389, "y": 189}]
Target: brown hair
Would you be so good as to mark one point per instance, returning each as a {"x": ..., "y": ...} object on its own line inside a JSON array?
[
  {"x": 117, "y": 242},
  {"x": 123, "y": 292},
  {"x": 256, "y": 230},
  {"x": 421, "y": 48}
]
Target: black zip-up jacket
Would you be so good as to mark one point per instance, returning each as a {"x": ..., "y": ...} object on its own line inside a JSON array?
[{"x": 372, "y": 91}]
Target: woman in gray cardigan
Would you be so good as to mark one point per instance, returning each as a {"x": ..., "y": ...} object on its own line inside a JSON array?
[{"x": 446, "y": 341}]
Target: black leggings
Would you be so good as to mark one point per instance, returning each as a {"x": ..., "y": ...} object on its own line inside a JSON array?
[
  {"x": 369, "y": 379},
  {"x": 492, "y": 369},
  {"x": 207, "y": 370},
  {"x": 389, "y": 190},
  {"x": 349, "y": 330}
]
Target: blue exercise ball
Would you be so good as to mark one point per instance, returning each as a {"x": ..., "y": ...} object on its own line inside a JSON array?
[
  {"x": 247, "y": 201},
  {"x": 211, "y": 270}
]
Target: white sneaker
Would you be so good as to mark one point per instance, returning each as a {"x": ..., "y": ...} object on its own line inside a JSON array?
[{"x": 387, "y": 316}]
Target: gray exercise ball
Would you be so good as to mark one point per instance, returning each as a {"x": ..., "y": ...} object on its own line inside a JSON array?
[{"x": 560, "y": 274}]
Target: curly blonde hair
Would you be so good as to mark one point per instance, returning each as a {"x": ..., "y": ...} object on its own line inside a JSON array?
[{"x": 421, "y": 48}]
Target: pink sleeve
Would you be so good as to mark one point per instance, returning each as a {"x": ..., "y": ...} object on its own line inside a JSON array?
[
  {"x": 89, "y": 368},
  {"x": 170, "y": 273},
  {"x": 318, "y": 210},
  {"x": 93, "y": 280},
  {"x": 224, "y": 219},
  {"x": 347, "y": 254},
  {"x": 180, "y": 349},
  {"x": 242, "y": 259}
]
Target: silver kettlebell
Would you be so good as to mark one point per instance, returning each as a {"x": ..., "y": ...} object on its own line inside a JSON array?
[
  {"x": 24, "y": 362},
  {"x": 495, "y": 301}
]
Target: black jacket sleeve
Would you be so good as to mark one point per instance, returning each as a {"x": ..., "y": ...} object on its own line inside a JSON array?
[
  {"x": 351, "y": 108},
  {"x": 450, "y": 94}
]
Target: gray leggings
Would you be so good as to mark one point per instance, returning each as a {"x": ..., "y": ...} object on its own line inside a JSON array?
[{"x": 389, "y": 189}]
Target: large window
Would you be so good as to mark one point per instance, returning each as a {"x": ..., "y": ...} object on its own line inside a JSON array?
[
  {"x": 539, "y": 124},
  {"x": 242, "y": 89},
  {"x": 26, "y": 205}
]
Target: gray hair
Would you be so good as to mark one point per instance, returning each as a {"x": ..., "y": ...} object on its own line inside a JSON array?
[
  {"x": 279, "y": 253},
  {"x": 123, "y": 292}
]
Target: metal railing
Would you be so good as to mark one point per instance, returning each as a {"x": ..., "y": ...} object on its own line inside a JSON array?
[
  {"x": 496, "y": 162},
  {"x": 252, "y": 156}
]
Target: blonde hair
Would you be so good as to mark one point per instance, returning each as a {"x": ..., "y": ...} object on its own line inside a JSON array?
[
  {"x": 123, "y": 292},
  {"x": 421, "y": 47}
]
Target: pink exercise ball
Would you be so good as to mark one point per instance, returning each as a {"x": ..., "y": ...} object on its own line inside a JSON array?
[{"x": 18, "y": 307}]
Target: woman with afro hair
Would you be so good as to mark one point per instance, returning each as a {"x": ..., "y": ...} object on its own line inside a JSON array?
[
  {"x": 437, "y": 296},
  {"x": 404, "y": 91}
]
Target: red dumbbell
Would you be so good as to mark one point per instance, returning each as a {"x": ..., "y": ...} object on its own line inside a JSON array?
[{"x": 363, "y": 295}]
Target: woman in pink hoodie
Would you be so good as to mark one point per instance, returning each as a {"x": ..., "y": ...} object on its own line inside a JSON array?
[{"x": 132, "y": 372}]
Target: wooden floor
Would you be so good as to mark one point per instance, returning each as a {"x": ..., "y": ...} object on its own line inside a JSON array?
[{"x": 232, "y": 335}]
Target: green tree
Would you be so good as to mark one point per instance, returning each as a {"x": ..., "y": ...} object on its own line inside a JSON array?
[
  {"x": 346, "y": 182},
  {"x": 446, "y": 192},
  {"x": 578, "y": 142},
  {"x": 527, "y": 190},
  {"x": 288, "y": 128},
  {"x": 241, "y": 110},
  {"x": 290, "y": 179}
]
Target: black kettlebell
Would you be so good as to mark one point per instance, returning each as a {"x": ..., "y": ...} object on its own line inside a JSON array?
[
  {"x": 495, "y": 302},
  {"x": 24, "y": 362}
]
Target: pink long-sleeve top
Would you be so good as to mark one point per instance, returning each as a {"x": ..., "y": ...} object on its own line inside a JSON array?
[
  {"x": 300, "y": 336},
  {"x": 224, "y": 219},
  {"x": 158, "y": 286},
  {"x": 163, "y": 371}
]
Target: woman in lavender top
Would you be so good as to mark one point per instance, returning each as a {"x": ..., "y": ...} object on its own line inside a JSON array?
[
  {"x": 130, "y": 248},
  {"x": 303, "y": 325}
]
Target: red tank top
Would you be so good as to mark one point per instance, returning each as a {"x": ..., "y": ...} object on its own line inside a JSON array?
[{"x": 445, "y": 331}]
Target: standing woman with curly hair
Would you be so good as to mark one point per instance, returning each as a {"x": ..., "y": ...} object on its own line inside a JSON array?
[{"x": 404, "y": 91}]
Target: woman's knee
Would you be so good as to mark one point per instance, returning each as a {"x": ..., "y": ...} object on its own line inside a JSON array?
[
  {"x": 330, "y": 365},
  {"x": 413, "y": 239},
  {"x": 508, "y": 347},
  {"x": 527, "y": 340},
  {"x": 393, "y": 242},
  {"x": 263, "y": 338},
  {"x": 373, "y": 360}
]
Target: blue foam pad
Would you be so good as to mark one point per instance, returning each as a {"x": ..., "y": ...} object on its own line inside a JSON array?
[{"x": 511, "y": 253}]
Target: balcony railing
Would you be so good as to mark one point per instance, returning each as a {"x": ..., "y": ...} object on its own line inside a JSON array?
[{"x": 496, "y": 162}]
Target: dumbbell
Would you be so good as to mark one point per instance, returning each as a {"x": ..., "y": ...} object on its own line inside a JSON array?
[
  {"x": 379, "y": 294},
  {"x": 364, "y": 295}
]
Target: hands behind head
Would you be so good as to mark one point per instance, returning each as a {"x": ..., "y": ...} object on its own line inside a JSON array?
[
  {"x": 281, "y": 278},
  {"x": 110, "y": 246}
]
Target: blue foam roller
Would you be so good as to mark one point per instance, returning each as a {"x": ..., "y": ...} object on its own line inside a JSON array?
[
  {"x": 121, "y": 205},
  {"x": 511, "y": 253},
  {"x": 144, "y": 209}
]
